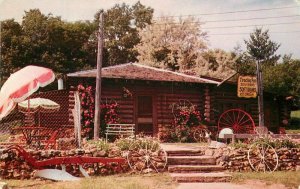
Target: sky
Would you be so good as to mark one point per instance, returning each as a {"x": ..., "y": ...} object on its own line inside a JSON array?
[{"x": 225, "y": 31}]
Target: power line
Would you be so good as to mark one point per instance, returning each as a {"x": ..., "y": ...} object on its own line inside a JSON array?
[
  {"x": 245, "y": 33},
  {"x": 231, "y": 20},
  {"x": 256, "y": 18},
  {"x": 253, "y": 25},
  {"x": 226, "y": 20},
  {"x": 231, "y": 12},
  {"x": 235, "y": 26}
]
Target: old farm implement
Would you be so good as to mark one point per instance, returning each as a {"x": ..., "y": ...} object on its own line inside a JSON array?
[{"x": 44, "y": 166}]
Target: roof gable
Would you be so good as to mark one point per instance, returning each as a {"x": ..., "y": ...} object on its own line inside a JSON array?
[{"x": 142, "y": 72}]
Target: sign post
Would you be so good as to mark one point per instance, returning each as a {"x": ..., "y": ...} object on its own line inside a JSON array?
[{"x": 261, "y": 116}]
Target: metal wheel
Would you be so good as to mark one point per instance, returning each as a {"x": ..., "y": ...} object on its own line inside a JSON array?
[
  {"x": 146, "y": 156},
  {"x": 238, "y": 120},
  {"x": 262, "y": 157},
  {"x": 201, "y": 135}
]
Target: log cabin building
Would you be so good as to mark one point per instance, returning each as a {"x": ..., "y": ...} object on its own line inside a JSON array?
[{"x": 145, "y": 96}]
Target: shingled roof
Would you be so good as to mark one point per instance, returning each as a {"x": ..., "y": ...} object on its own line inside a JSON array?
[{"x": 138, "y": 71}]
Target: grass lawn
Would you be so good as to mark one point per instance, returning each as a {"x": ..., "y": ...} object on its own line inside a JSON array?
[
  {"x": 295, "y": 120},
  {"x": 289, "y": 179},
  {"x": 295, "y": 114},
  {"x": 294, "y": 127},
  {"x": 123, "y": 181}
]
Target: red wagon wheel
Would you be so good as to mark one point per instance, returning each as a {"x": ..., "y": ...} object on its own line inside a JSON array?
[{"x": 238, "y": 120}]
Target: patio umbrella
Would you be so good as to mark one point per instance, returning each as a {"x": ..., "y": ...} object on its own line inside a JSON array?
[
  {"x": 21, "y": 85},
  {"x": 38, "y": 104}
]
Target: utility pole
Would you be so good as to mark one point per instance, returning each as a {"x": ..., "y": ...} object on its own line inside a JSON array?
[
  {"x": 260, "y": 89},
  {"x": 1, "y": 67},
  {"x": 98, "y": 77}
]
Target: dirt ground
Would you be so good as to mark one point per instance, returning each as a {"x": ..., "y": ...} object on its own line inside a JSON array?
[{"x": 249, "y": 184}]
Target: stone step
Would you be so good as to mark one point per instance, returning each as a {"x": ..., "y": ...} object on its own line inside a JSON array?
[
  {"x": 184, "y": 152},
  {"x": 194, "y": 168},
  {"x": 201, "y": 177},
  {"x": 191, "y": 160}
]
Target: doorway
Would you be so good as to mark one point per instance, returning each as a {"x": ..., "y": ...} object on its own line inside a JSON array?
[{"x": 144, "y": 115}]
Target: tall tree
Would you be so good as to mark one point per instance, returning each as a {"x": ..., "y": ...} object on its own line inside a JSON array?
[
  {"x": 261, "y": 48},
  {"x": 44, "y": 40},
  {"x": 11, "y": 32},
  {"x": 172, "y": 45},
  {"x": 121, "y": 24},
  {"x": 217, "y": 63},
  {"x": 53, "y": 43},
  {"x": 284, "y": 78},
  {"x": 244, "y": 64}
]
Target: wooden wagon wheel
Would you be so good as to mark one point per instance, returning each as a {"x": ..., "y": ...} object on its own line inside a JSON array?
[
  {"x": 146, "y": 156},
  {"x": 108, "y": 101},
  {"x": 180, "y": 105},
  {"x": 201, "y": 135},
  {"x": 238, "y": 120},
  {"x": 262, "y": 157}
]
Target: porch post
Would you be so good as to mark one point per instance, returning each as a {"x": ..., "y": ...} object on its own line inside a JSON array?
[{"x": 207, "y": 104}]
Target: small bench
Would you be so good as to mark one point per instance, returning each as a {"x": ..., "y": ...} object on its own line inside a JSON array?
[{"x": 120, "y": 130}]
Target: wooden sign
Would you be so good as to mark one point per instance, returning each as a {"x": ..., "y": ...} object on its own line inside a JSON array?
[{"x": 247, "y": 87}]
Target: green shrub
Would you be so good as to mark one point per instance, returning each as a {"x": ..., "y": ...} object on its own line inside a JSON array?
[
  {"x": 124, "y": 143},
  {"x": 239, "y": 144},
  {"x": 275, "y": 143},
  {"x": 285, "y": 143},
  {"x": 99, "y": 144},
  {"x": 143, "y": 142},
  {"x": 178, "y": 133},
  {"x": 148, "y": 143},
  {"x": 278, "y": 143}
]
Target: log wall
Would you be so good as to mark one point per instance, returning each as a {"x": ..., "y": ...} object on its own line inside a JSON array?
[
  {"x": 164, "y": 94},
  {"x": 225, "y": 97},
  {"x": 211, "y": 100}
]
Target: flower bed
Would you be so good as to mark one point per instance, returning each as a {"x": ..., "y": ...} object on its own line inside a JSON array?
[
  {"x": 109, "y": 111},
  {"x": 186, "y": 120}
]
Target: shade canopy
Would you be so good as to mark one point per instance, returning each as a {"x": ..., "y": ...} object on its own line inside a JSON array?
[
  {"x": 21, "y": 84},
  {"x": 38, "y": 104}
]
